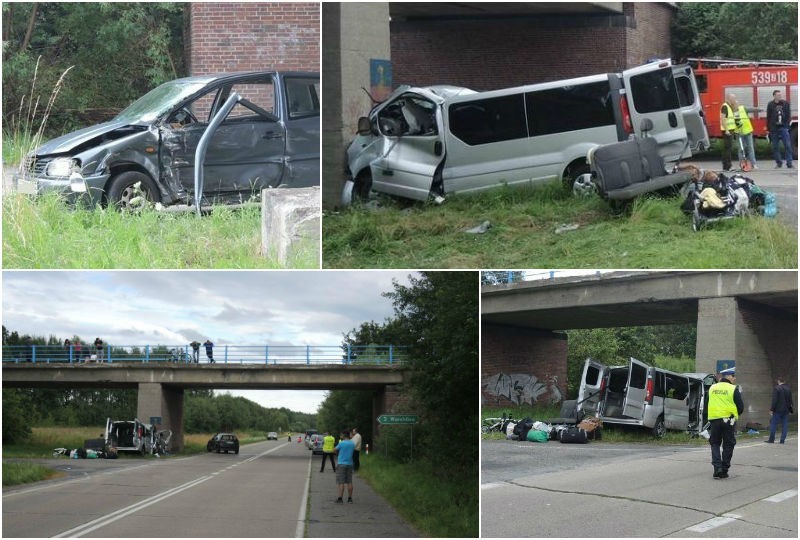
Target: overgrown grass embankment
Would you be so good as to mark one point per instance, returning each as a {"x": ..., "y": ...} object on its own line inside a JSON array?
[
  {"x": 48, "y": 233},
  {"x": 435, "y": 506},
  {"x": 651, "y": 233},
  {"x": 24, "y": 473}
]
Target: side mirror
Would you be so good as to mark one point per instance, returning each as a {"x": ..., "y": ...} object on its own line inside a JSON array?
[{"x": 364, "y": 126}]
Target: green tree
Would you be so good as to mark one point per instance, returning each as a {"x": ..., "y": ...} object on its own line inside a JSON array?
[
  {"x": 747, "y": 30},
  {"x": 16, "y": 421},
  {"x": 346, "y": 409}
]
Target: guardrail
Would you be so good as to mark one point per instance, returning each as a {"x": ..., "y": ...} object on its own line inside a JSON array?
[{"x": 222, "y": 354}]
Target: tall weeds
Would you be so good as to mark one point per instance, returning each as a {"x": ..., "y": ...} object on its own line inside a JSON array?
[{"x": 20, "y": 139}]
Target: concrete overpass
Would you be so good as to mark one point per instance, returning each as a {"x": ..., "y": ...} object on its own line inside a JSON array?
[
  {"x": 749, "y": 317},
  {"x": 161, "y": 385}
]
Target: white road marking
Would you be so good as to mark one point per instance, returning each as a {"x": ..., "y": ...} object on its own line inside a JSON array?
[
  {"x": 713, "y": 523},
  {"x": 95, "y": 524},
  {"x": 492, "y": 485},
  {"x": 299, "y": 532},
  {"x": 782, "y": 496}
]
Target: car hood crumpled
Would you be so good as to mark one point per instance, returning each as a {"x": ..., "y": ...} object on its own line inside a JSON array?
[{"x": 70, "y": 141}]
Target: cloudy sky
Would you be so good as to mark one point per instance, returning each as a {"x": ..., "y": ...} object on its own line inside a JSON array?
[{"x": 175, "y": 308}]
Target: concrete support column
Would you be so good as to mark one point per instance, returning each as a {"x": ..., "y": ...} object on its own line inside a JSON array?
[
  {"x": 155, "y": 399},
  {"x": 353, "y": 33},
  {"x": 724, "y": 333}
]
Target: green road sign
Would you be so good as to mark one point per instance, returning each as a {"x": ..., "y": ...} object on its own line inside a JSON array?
[{"x": 398, "y": 419}]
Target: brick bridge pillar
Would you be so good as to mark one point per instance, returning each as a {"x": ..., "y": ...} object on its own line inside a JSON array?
[
  {"x": 155, "y": 399},
  {"x": 761, "y": 340}
]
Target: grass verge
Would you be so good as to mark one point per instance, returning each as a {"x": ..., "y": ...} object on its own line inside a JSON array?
[
  {"x": 24, "y": 473},
  {"x": 47, "y": 233},
  {"x": 436, "y": 508},
  {"x": 651, "y": 233}
]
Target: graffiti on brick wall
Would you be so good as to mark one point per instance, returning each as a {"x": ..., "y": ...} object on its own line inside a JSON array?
[{"x": 522, "y": 388}]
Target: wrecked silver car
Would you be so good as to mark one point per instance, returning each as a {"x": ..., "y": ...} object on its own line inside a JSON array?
[
  {"x": 428, "y": 143},
  {"x": 269, "y": 139}
]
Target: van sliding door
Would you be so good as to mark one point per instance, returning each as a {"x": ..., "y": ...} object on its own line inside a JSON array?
[
  {"x": 633, "y": 405},
  {"x": 591, "y": 382},
  {"x": 691, "y": 108}
]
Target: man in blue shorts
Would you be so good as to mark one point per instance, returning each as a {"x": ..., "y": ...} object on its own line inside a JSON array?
[{"x": 344, "y": 466}]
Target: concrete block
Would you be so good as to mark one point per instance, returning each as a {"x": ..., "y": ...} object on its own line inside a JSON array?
[{"x": 290, "y": 219}]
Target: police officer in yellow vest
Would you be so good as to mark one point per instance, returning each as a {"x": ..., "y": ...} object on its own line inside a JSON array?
[
  {"x": 727, "y": 124},
  {"x": 724, "y": 407},
  {"x": 328, "y": 445}
]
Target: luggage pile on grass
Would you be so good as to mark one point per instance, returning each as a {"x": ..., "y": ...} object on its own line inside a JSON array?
[
  {"x": 712, "y": 197},
  {"x": 588, "y": 429}
]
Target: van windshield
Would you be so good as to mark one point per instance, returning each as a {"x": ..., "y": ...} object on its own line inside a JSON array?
[{"x": 158, "y": 101}]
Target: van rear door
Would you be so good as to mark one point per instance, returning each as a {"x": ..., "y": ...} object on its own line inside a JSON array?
[
  {"x": 592, "y": 385},
  {"x": 652, "y": 93},
  {"x": 691, "y": 108},
  {"x": 633, "y": 406}
]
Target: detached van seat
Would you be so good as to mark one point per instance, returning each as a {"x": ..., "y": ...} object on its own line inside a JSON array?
[
  {"x": 568, "y": 414},
  {"x": 627, "y": 169}
]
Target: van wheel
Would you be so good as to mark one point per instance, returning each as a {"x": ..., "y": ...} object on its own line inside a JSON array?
[
  {"x": 574, "y": 172},
  {"x": 362, "y": 186},
  {"x": 659, "y": 430},
  {"x": 132, "y": 190}
]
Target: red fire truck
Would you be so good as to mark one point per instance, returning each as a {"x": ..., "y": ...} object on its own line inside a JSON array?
[{"x": 752, "y": 82}]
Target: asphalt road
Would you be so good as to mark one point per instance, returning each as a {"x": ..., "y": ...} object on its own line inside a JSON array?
[
  {"x": 261, "y": 492},
  {"x": 627, "y": 490}
]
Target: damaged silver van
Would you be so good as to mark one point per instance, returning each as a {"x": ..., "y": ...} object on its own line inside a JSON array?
[
  {"x": 136, "y": 436},
  {"x": 640, "y": 395},
  {"x": 269, "y": 139},
  {"x": 423, "y": 143}
]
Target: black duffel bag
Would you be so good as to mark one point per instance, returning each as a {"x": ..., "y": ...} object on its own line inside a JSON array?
[{"x": 574, "y": 435}]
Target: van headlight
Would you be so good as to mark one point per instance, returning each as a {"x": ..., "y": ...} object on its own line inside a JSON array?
[{"x": 62, "y": 167}]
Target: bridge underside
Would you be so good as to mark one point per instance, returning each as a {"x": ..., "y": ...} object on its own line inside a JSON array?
[{"x": 161, "y": 388}]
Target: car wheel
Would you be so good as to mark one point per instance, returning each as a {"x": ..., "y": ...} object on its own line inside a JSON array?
[
  {"x": 584, "y": 186},
  {"x": 132, "y": 190},
  {"x": 237, "y": 450},
  {"x": 659, "y": 430},
  {"x": 573, "y": 172}
]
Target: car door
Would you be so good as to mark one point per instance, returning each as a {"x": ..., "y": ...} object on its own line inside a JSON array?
[
  {"x": 412, "y": 145},
  {"x": 676, "y": 401},
  {"x": 302, "y": 114},
  {"x": 591, "y": 389},
  {"x": 691, "y": 108},
  {"x": 652, "y": 93},
  {"x": 245, "y": 155},
  {"x": 633, "y": 405}
]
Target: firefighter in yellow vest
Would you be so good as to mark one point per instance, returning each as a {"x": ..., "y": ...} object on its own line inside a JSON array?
[
  {"x": 744, "y": 130},
  {"x": 724, "y": 407},
  {"x": 727, "y": 124}
]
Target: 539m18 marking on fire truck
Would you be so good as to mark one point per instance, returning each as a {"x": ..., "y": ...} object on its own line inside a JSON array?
[{"x": 769, "y": 77}]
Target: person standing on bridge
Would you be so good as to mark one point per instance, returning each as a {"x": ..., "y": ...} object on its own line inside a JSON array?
[
  {"x": 328, "y": 444},
  {"x": 98, "y": 345},
  {"x": 724, "y": 407},
  {"x": 195, "y": 345},
  {"x": 344, "y": 472},
  {"x": 356, "y": 438},
  {"x": 209, "y": 351},
  {"x": 782, "y": 406}
]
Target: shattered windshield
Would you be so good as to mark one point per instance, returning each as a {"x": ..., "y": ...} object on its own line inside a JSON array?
[{"x": 158, "y": 101}]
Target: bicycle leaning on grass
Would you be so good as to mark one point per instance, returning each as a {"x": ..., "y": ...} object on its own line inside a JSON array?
[{"x": 496, "y": 425}]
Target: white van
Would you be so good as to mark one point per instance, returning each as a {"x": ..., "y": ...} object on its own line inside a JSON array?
[
  {"x": 640, "y": 395},
  {"x": 434, "y": 141}
]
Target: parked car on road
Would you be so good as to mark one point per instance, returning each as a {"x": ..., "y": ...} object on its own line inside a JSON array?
[
  {"x": 269, "y": 139},
  {"x": 309, "y": 433},
  {"x": 272, "y": 436},
  {"x": 223, "y": 442},
  {"x": 315, "y": 443}
]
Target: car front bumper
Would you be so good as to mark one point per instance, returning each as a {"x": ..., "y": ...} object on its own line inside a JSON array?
[{"x": 70, "y": 187}]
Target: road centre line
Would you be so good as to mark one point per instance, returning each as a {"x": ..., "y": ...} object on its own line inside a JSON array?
[
  {"x": 102, "y": 521},
  {"x": 782, "y": 496},
  {"x": 713, "y": 523}
]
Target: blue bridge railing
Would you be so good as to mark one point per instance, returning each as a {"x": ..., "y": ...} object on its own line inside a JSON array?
[{"x": 222, "y": 354}]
